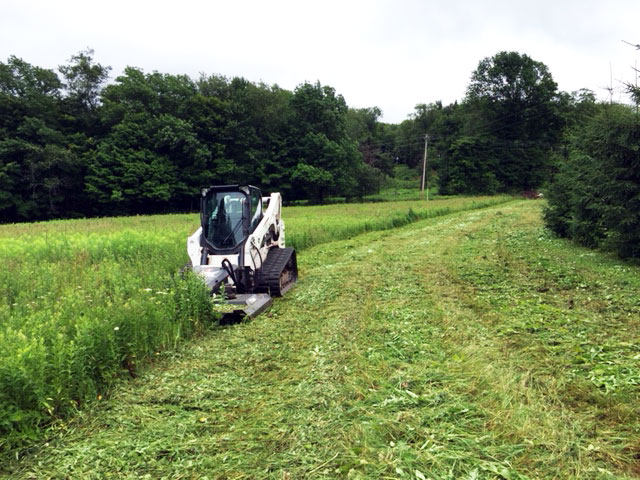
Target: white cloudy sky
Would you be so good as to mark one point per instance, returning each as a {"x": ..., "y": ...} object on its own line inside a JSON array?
[{"x": 390, "y": 54}]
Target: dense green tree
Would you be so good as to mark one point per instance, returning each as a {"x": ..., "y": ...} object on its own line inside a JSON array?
[
  {"x": 148, "y": 141},
  {"x": 632, "y": 88},
  {"x": 167, "y": 136},
  {"x": 576, "y": 108},
  {"x": 595, "y": 196},
  {"x": 256, "y": 132},
  {"x": 409, "y": 141},
  {"x": 151, "y": 158},
  {"x": 320, "y": 110},
  {"x": 370, "y": 180},
  {"x": 471, "y": 170},
  {"x": 375, "y": 141},
  {"x": 511, "y": 108},
  {"x": 209, "y": 113},
  {"x": 319, "y": 140},
  {"x": 154, "y": 93},
  {"x": 126, "y": 175},
  {"x": 83, "y": 82},
  {"x": 41, "y": 174}
]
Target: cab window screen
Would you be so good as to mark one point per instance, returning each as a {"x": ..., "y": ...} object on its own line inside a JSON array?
[{"x": 223, "y": 214}]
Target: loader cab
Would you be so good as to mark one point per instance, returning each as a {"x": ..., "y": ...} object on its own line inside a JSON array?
[{"x": 228, "y": 215}]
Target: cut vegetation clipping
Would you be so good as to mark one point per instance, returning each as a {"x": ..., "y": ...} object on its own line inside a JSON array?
[
  {"x": 471, "y": 345},
  {"x": 84, "y": 302}
]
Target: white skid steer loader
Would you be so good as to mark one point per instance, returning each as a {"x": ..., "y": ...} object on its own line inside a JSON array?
[{"x": 240, "y": 247}]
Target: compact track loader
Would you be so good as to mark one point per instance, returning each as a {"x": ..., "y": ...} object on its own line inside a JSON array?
[{"x": 239, "y": 248}]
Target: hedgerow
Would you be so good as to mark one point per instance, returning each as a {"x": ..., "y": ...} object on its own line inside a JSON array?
[{"x": 594, "y": 198}]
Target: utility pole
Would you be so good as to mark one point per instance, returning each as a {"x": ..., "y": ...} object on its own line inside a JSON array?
[
  {"x": 610, "y": 85},
  {"x": 423, "y": 180}
]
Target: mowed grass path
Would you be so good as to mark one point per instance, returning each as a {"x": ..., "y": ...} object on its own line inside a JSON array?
[{"x": 466, "y": 346}]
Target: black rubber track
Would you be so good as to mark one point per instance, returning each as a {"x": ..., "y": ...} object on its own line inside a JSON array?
[{"x": 280, "y": 271}]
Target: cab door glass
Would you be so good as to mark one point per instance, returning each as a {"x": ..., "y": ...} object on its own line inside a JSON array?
[
  {"x": 256, "y": 209},
  {"x": 223, "y": 214}
]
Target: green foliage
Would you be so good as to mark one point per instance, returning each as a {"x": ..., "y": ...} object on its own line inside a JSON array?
[
  {"x": 151, "y": 158},
  {"x": 511, "y": 124},
  {"x": 370, "y": 180},
  {"x": 71, "y": 146},
  {"x": 595, "y": 195},
  {"x": 325, "y": 160},
  {"x": 315, "y": 179},
  {"x": 510, "y": 78},
  {"x": 469, "y": 168},
  {"x": 441, "y": 123},
  {"x": 557, "y": 213},
  {"x": 374, "y": 142},
  {"x": 38, "y": 168},
  {"x": 80, "y": 311},
  {"x": 403, "y": 177},
  {"x": 84, "y": 80},
  {"x": 318, "y": 109},
  {"x": 148, "y": 142}
]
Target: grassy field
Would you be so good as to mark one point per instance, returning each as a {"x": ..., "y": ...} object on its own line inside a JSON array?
[
  {"x": 84, "y": 302},
  {"x": 471, "y": 345},
  {"x": 309, "y": 226}
]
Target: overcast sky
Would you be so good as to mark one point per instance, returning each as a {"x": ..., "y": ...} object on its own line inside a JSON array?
[{"x": 390, "y": 54}]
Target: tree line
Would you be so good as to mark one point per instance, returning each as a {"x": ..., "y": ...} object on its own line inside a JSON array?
[{"x": 73, "y": 144}]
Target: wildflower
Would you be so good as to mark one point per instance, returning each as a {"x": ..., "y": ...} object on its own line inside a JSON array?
[{"x": 115, "y": 329}]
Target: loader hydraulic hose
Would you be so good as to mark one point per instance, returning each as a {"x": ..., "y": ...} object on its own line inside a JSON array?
[
  {"x": 204, "y": 258},
  {"x": 226, "y": 264}
]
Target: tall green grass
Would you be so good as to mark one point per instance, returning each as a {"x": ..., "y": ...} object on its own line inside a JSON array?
[
  {"x": 83, "y": 302},
  {"x": 309, "y": 226},
  {"x": 71, "y": 324}
]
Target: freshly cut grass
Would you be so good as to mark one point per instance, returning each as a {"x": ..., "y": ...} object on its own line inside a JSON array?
[
  {"x": 468, "y": 346},
  {"x": 85, "y": 302}
]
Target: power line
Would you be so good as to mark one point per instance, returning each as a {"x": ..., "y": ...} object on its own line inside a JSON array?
[{"x": 499, "y": 122}]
